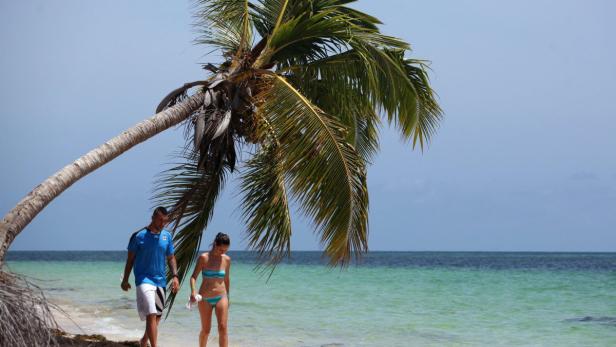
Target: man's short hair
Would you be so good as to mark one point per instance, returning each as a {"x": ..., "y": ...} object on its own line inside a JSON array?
[{"x": 161, "y": 210}]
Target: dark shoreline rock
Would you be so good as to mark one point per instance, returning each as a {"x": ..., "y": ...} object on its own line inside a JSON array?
[{"x": 65, "y": 339}]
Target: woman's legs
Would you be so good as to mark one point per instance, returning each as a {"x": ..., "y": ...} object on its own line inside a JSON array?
[
  {"x": 222, "y": 311},
  {"x": 205, "y": 311}
]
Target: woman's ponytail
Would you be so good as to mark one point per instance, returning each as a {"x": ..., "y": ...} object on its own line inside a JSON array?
[{"x": 221, "y": 239}]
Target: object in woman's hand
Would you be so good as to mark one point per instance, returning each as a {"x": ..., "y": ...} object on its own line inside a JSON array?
[{"x": 190, "y": 304}]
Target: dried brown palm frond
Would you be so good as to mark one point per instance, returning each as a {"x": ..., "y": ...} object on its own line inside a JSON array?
[{"x": 25, "y": 314}]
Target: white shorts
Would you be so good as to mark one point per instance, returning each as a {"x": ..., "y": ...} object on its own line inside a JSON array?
[{"x": 150, "y": 300}]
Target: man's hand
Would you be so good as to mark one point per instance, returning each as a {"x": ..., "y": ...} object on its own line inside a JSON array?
[
  {"x": 175, "y": 285},
  {"x": 125, "y": 285},
  {"x": 130, "y": 259}
]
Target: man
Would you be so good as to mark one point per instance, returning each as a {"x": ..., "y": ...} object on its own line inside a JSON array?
[{"x": 147, "y": 250}]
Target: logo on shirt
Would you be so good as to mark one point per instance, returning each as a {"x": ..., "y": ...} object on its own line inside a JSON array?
[{"x": 164, "y": 237}]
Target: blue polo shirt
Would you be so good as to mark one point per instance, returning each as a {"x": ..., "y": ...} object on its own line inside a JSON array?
[{"x": 151, "y": 252}]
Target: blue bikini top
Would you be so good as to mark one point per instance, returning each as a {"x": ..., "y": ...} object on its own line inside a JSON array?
[{"x": 213, "y": 273}]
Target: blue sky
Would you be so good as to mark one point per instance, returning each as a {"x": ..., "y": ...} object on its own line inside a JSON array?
[{"x": 524, "y": 159}]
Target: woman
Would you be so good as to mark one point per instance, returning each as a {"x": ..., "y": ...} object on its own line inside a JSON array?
[{"x": 214, "y": 267}]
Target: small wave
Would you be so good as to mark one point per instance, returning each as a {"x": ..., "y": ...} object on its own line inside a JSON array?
[
  {"x": 590, "y": 319},
  {"x": 111, "y": 326},
  {"x": 60, "y": 289},
  {"x": 110, "y": 305}
]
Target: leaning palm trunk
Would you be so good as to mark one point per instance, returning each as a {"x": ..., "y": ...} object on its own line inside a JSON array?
[{"x": 22, "y": 214}]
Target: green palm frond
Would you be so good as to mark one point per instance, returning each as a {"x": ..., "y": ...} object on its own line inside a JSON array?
[
  {"x": 323, "y": 30},
  {"x": 326, "y": 175},
  {"x": 265, "y": 206},
  {"x": 192, "y": 192},
  {"x": 394, "y": 85},
  {"x": 307, "y": 38},
  {"x": 268, "y": 13},
  {"x": 351, "y": 108},
  {"x": 404, "y": 93},
  {"x": 348, "y": 105},
  {"x": 226, "y": 24},
  {"x": 348, "y": 44},
  {"x": 429, "y": 113},
  {"x": 268, "y": 18}
]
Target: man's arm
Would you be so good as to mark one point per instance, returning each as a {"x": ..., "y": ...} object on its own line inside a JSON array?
[
  {"x": 130, "y": 260},
  {"x": 175, "y": 286}
]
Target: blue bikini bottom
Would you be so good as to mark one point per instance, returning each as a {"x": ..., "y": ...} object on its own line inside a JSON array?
[{"x": 213, "y": 300}]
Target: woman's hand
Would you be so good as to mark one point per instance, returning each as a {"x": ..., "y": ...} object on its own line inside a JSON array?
[{"x": 193, "y": 297}]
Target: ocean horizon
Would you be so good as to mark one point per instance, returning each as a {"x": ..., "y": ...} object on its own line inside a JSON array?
[{"x": 388, "y": 298}]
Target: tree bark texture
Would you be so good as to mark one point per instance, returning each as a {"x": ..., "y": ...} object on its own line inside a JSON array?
[{"x": 33, "y": 203}]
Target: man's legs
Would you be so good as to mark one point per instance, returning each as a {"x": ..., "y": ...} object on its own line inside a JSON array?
[
  {"x": 144, "y": 340},
  {"x": 150, "y": 304},
  {"x": 151, "y": 328}
]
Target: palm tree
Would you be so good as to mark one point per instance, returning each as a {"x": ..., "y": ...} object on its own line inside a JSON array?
[{"x": 303, "y": 103}]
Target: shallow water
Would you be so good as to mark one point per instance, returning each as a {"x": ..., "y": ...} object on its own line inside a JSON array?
[{"x": 390, "y": 299}]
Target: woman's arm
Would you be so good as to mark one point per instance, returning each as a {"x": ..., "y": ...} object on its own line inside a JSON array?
[
  {"x": 227, "y": 281},
  {"x": 193, "y": 278}
]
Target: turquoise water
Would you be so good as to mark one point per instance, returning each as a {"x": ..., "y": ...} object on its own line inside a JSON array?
[{"x": 393, "y": 299}]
